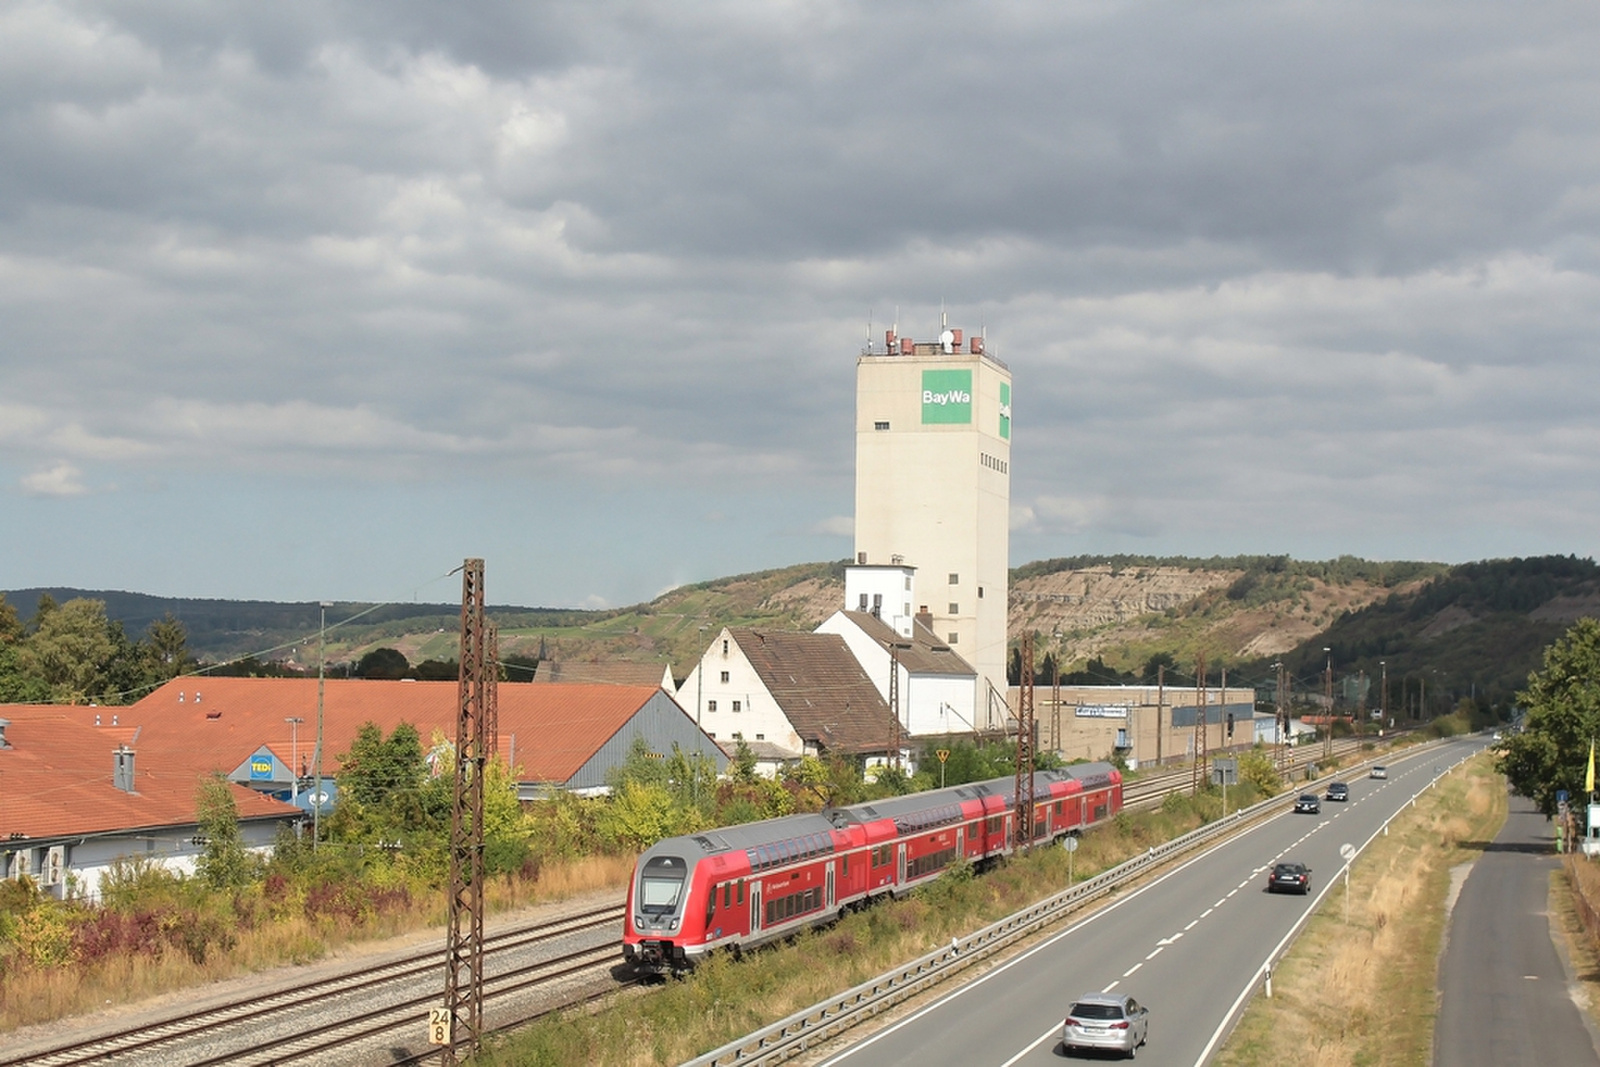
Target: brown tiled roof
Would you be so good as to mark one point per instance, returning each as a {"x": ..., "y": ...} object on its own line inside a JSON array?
[
  {"x": 550, "y": 731},
  {"x": 927, "y": 654},
  {"x": 56, "y": 779},
  {"x": 602, "y": 672},
  {"x": 821, "y": 688}
]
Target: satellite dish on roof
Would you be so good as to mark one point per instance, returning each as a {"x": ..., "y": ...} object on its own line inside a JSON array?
[{"x": 948, "y": 340}]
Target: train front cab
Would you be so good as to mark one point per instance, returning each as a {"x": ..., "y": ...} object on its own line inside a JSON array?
[{"x": 656, "y": 902}]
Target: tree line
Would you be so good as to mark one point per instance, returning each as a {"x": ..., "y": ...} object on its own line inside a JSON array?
[{"x": 71, "y": 653}]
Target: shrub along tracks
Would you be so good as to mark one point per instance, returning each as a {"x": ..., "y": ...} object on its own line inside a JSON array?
[{"x": 312, "y": 1019}]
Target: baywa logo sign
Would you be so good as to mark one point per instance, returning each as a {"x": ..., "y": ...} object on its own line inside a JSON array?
[
  {"x": 1005, "y": 411},
  {"x": 947, "y": 396}
]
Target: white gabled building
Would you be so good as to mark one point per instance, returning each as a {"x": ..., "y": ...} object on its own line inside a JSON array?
[
  {"x": 787, "y": 695},
  {"x": 937, "y": 688}
]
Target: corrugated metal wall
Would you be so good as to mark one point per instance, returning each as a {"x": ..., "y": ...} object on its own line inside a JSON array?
[{"x": 661, "y": 722}]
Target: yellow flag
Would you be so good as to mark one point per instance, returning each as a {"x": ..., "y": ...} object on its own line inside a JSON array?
[{"x": 1588, "y": 779}]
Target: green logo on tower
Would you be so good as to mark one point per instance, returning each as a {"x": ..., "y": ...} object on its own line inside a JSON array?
[
  {"x": 946, "y": 396},
  {"x": 1005, "y": 411}
]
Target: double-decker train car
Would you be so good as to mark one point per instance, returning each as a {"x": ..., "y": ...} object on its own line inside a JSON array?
[{"x": 741, "y": 886}]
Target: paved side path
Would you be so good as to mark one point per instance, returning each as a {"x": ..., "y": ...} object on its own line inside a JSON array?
[{"x": 1503, "y": 998}]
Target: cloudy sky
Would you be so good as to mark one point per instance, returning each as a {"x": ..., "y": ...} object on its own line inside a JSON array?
[{"x": 313, "y": 300}]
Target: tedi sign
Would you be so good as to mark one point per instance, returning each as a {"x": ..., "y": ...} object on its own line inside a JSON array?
[{"x": 947, "y": 396}]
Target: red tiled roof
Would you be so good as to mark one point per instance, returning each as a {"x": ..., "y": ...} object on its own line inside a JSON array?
[
  {"x": 56, "y": 779},
  {"x": 550, "y": 731},
  {"x": 819, "y": 684}
]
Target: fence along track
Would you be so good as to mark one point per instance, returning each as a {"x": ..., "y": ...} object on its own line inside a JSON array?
[{"x": 280, "y": 1004}]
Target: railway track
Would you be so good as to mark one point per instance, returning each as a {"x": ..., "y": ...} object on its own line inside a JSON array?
[
  {"x": 528, "y": 973},
  {"x": 319, "y": 1019}
]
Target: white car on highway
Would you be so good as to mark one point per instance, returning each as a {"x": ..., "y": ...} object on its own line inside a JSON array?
[{"x": 1106, "y": 1021}]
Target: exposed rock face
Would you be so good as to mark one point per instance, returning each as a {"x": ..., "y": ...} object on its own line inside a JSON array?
[{"x": 1097, "y": 596}]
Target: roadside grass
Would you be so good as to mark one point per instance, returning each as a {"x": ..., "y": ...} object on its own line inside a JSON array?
[
  {"x": 37, "y": 994},
  {"x": 1363, "y": 990},
  {"x": 725, "y": 998},
  {"x": 1575, "y": 905}
]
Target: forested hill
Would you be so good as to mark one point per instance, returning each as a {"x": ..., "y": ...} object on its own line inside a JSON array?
[{"x": 1473, "y": 630}]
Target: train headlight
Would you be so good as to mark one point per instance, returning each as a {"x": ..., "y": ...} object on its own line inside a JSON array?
[
  {"x": 673, "y": 925},
  {"x": 638, "y": 922}
]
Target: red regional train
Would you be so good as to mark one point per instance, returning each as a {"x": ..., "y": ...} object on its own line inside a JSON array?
[{"x": 742, "y": 886}]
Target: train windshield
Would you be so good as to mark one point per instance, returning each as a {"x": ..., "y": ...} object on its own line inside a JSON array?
[{"x": 661, "y": 885}]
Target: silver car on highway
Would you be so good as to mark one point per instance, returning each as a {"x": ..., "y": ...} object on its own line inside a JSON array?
[{"x": 1105, "y": 1021}]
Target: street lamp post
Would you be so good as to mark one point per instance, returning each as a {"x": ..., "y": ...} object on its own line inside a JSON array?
[{"x": 294, "y": 722}]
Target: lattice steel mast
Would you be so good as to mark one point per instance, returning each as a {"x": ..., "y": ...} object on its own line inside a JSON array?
[
  {"x": 1022, "y": 823},
  {"x": 476, "y": 703},
  {"x": 1200, "y": 776}
]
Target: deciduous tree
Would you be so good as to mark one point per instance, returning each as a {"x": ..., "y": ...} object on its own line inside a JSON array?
[{"x": 1562, "y": 702}]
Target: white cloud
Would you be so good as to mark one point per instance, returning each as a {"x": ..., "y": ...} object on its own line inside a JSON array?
[{"x": 60, "y": 479}]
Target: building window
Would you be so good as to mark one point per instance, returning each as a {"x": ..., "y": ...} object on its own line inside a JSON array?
[
  {"x": 955, "y": 579},
  {"x": 711, "y": 735},
  {"x": 738, "y": 705},
  {"x": 908, "y": 583},
  {"x": 980, "y": 592},
  {"x": 724, "y": 646},
  {"x": 955, "y": 609},
  {"x": 737, "y": 736},
  {"x": 724, "y": 676},
  {"x": 952, "y": 639},
  {"x": 881, "y": 424},
  {"x": 761, "y": 737},
  {"x": 711, "y": 705}
]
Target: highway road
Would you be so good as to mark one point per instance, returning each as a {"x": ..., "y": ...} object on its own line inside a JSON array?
[
  {"x": 1503, "y": 989},
  {"x": 1190, "y": 945}
]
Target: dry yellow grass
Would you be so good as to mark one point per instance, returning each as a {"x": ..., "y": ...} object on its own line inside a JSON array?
[
  {"x": 1363, "y": 991},
  {"x": 34, "y": 995}
]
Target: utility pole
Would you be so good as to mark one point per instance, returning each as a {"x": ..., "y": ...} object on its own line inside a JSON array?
[
  {"x": 1055, "y": 686},
  {"x": 1161, "y": 699},
  {"x": 1282, "y": 721},
  {"x": 1327, "y": 685},
  {"x": 318, "y": 794},
  {"x": 1200, "y": 777},
  {"x": 1383, "y": 696},
  {"x": 464, "y": 940},
  {"x": 894, "y": 699},
  {"x": 1022, "y": 822}
]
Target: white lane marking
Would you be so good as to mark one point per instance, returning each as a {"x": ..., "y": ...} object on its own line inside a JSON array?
[
  {"x": 1165, "y": 941},
  {"x": 1208, "y": 911},
  {"x": 1156, "y": 953},
  {"x": 1231, "y": 892},
  {"x": 1112, "y": 986},
  {"x": 1129, "y": 972},
  {"x": 1192, "y": 925},
  {"x": 1246, "y": 881},
  {"x": 1224, "y": 900},
  {"x": 1042, "y": 1038}
]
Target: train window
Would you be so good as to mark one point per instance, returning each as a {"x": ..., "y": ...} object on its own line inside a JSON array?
[
  {"x": 711, "y": 904},
  {"x": 741, "y": 892},
  {"x": 660, "y": 886},
  {"x": 1058, "y": 809},
  {"x": 845, "y": 871},
  {"x": 727, "y": 894}
]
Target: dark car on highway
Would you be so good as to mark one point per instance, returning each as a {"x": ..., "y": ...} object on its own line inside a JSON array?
[
  {"x": 1338, "y": 791},
  {"x": 1308, "y": 804},
  {"x": 1289, "y": 878}
]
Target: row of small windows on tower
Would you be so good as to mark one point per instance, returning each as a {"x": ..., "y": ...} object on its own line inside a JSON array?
[{"x": 994, "y": 463}]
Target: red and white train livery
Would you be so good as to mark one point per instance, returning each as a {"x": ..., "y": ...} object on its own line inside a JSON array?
[{"x": 741, "y": 886}]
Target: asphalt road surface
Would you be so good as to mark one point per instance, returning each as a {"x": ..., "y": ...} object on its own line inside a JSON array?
[
  {"x": 1504, "y": 996},
  {"x": 1191, "y": 945}
]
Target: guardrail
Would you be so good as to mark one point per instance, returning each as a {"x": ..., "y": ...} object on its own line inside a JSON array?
[{"x": 794, "y": 1035}]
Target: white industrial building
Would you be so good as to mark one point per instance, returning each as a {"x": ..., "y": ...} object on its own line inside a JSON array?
[{"x": 933, "y": 492}]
